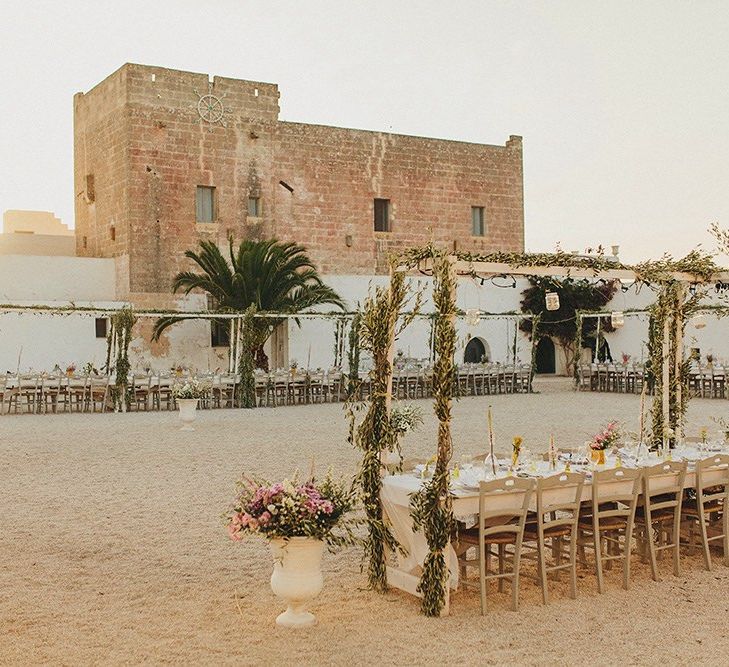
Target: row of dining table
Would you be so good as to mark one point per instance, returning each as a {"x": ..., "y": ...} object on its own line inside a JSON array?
[{"x": 398, "y": 488}]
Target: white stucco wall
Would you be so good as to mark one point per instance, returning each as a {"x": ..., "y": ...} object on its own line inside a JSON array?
[
  {"x": 48, "y": 340},
  {"x": 38, "y": 279},
  {"x": 37, "y": 342},
  {"x": 318, "y": 336}
]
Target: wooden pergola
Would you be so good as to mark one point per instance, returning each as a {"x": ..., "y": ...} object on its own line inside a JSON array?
[{"x": 431, "y": 507}]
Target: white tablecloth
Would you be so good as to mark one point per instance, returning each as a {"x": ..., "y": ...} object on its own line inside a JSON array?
[{"x": 396, "y": 491}]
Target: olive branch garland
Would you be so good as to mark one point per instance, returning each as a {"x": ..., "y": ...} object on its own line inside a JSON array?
[
  {"x": 698, "y": 263},
  {"x": 376, "y": 328},
  {"x": 117, "y": 344},
  {"x": 670, "y": 306},
  {"x": 431, "y": 507}
]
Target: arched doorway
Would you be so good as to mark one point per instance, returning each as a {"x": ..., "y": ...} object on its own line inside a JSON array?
[
  {"x": 477, "y": 350},
  {"x": 545, "y": 356}
]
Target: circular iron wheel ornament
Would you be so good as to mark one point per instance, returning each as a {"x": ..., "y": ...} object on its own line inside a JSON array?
[{"x": 210, "y": 108}]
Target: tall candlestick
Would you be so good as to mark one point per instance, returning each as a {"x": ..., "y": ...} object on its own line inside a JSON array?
[
  {"x": 552, "y": 453},
  {"x": 642, "y": 418},
  {"x": 491, "y": 441}
]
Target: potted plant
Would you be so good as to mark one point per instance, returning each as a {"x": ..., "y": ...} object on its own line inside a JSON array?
[
  {"x": 298, "y": 519},
  {"x": 601, "y": 442},
  {"x": 187, "y": 393}
]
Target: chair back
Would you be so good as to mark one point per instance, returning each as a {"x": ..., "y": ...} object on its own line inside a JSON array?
[
  {"x": 486, "y": 510},
  {"x": 664, "y": 481},
  {"x": 613, "y": 488},
  {"x": 712, "y": 479},
  {"x": 559, "y": 493}
]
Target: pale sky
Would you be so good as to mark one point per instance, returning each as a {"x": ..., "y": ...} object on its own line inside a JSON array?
[{"x": 623, "y": 106}]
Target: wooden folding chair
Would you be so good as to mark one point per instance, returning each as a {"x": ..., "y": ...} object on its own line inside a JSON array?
[
  {"x": 709, "y": 509},
  {"x": 660, "y": 512},
  {"x": 615, "y": 495},
  {"x": 558, "y": 511},
  {"x": 499, "y": 527}
]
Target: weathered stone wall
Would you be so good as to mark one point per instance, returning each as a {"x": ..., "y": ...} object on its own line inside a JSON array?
[
  {"x": 432, "y": 184},
  {"x": 141, "y": 138}
]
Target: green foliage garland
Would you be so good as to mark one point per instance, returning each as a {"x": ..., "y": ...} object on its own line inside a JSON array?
[
  {"x": 697, "y": 263},
  {"x": 431, "y": 507},
  {"x": 671, "y": 306},
  {"x": 253, "y": 336},
  {"x": 377, "y": 327},
  {"x": 353, "y": 353},
  {"x": 536, "y": 335},
  {"x": 119, "y": 339}
]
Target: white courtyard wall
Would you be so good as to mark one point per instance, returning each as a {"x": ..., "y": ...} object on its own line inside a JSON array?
[{"x": 49, "y": 340}]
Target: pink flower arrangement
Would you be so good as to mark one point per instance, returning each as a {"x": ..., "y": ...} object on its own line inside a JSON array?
[
  {"x": 292, "y": 509},
  {"x": 608, "y": 437}
]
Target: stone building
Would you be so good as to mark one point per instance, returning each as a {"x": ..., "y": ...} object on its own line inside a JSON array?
[{"x": 166, "y": 158}]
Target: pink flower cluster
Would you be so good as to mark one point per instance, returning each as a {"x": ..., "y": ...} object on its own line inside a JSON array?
[
  {"x": 312, "y": 500},
  {"x": 275, "y": 508},
  {"x": 606, "y": 438}
]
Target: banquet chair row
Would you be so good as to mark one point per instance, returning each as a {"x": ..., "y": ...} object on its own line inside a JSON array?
[
  {"x": 469, "y": 380},
  {"x": 285, "y": 388},
  {"x": 53, "y": 393},
  {"x": 705, "y": 381},
  {"x": 648, "y": 505},
  {"x": 616, "y": 378}
]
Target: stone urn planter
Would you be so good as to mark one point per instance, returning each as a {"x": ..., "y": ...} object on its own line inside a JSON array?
[
  {"x": 296, "y": 578},
  {"x": 188, "y": 410}
]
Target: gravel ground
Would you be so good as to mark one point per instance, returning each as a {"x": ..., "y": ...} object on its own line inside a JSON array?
[{"x": 112, "y": 550}]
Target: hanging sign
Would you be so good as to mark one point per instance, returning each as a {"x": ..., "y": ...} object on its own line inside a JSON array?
[
  {"x": 617, "y": 319},
  {"x": 552, "y": 299}
]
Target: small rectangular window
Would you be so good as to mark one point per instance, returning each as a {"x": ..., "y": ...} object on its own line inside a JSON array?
[
  {"x": 205, "y": 204},
  {"x": 478, "y": 223},
  {"x": 382, "y": 215},
  {"x": 220, "y": 333},
  {"x": 90, "y": 189},
  {"x": 101, "y": 327},
  {"x": 254, "y": 207}
]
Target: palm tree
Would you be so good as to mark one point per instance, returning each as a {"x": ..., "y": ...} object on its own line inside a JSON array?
[{"x": 263, "y": 277}]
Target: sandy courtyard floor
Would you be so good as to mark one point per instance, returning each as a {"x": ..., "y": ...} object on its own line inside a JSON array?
[{"x": 112, "y": 551}]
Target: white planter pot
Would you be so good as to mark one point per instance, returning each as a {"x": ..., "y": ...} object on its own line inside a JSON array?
[
  {"x": 188, "y": 408},
  {"x": 297, "y": 578}
]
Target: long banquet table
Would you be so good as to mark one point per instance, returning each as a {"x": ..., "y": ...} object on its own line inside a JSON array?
[{"x": 397, "y": 489}]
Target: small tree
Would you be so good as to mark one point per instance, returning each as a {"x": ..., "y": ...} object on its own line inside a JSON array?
[
  {"x": 561, "y": 324},
  {"x": 256, "y": 277}
]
